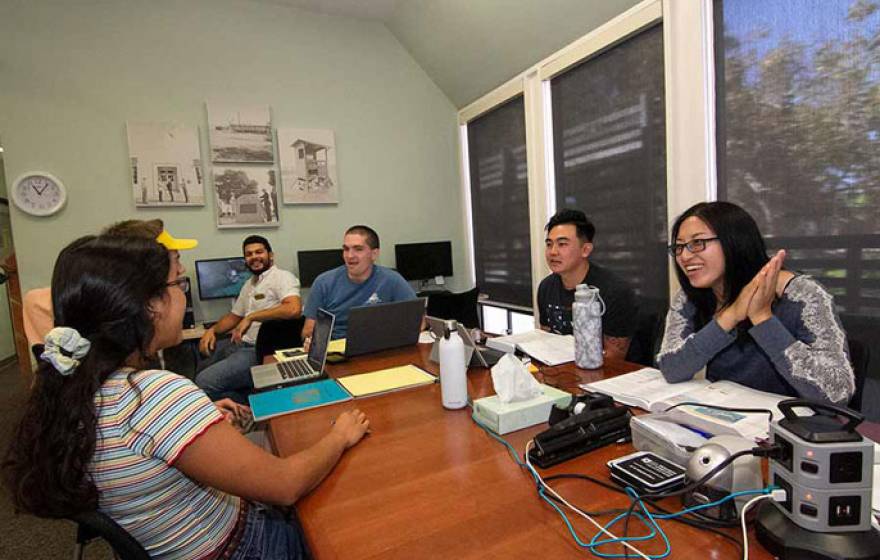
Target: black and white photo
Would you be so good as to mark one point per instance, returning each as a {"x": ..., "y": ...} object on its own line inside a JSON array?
[
  {"x": 166, "y": 167},
  {"x": 308, "y": 166},
  {"x": 246, "y": 196},
  {"x": 240, "y": 134}
]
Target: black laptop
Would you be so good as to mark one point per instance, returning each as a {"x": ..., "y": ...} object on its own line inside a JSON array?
[{"x": 372, "y": 328}]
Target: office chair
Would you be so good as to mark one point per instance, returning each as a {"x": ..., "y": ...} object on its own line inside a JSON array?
[
  {"x": 859, "y": 357},
  {"x": 95, "y": 525},
  {"x": 461, "y": 306},
  {"x": 645, "y": 342},
  {"x": 275, "y": 335},
  {"x": 37, "y": 350}
]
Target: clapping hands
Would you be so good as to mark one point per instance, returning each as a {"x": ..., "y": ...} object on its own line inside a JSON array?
[{"x": 755, "y": 300}]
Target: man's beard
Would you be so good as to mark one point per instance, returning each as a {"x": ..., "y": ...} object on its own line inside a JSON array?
[{"x": 267, "y": 264}]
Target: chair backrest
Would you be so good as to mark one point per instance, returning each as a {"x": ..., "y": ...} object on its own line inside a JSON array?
[
  {"x": 37, "y": 351},
  {"x": 461, "y": 306},
  {"x": 645, "y": 342},
  {"x": 859, "y": 357},
  {"x": 278, "y": 334},
  {"x": 94, "y": 524}
]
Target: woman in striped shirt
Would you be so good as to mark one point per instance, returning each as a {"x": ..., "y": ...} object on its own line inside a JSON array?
[{"x": 147, "y": 447}]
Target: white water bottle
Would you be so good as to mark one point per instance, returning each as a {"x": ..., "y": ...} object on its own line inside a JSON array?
[
  {"x": 587, "y": 311},
  {"x": 453, "y": 377}
]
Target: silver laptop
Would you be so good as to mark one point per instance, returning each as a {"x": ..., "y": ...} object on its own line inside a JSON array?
[
  {"x": 303, "y": 368},
  {"x": 384, "y": 325},
  {"x": 474, "y": 355}
]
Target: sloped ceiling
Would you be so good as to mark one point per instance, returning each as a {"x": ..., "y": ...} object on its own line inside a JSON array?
[
  {"x": 469, "y": 47},
  {"x": 374, "y": 10}
]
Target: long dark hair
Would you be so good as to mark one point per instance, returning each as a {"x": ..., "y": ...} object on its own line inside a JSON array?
[
  {"x": 102, "y": 286},
  {"x": 744, "y": 253}
]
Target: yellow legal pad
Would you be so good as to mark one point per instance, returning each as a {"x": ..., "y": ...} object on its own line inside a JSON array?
[
  {"x": 285, "y": 354},
  {"x": 385, "y": 380}
]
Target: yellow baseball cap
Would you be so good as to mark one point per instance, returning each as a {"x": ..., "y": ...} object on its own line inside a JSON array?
[{"x": 173, "y": 244}]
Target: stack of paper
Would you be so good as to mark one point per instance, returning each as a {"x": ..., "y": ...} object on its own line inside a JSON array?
[{"x": 552, "y": 349}]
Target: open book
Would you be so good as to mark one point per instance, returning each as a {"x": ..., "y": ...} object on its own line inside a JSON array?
[
  {"x": 648, "y": 389},
  {"x": 551, "y": 349}
]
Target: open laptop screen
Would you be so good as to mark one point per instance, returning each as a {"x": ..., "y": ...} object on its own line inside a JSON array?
[{"x": 320, "y": 339}]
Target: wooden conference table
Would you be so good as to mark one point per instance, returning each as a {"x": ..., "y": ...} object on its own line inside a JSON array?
[{"x": 429, "y": 483}]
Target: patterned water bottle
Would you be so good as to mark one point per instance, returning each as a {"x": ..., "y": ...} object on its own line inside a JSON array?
[{"x": 587, "y": 311}]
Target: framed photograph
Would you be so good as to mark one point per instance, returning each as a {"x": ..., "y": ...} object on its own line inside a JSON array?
[
  {"x": 308, "y": 166},
  {"x": 166, "y": 167},
  {"x": 240, "y": 135},
  {"x": 246, "y": 197}
]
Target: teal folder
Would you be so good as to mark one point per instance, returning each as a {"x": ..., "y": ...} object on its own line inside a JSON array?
[{"x": 296, "y": 398}]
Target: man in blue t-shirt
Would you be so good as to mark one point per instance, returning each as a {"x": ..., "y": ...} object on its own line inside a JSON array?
[{"x": 360, "y": 281}]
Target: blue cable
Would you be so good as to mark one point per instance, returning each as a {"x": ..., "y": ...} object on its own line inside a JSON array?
[
  {"x": 593, "y": 544},
  {"x": 653, "y": 526},
  {"x": 651, "y": 516},
  {"x": 691, "y": 509},
  {"x": 510, "y": 448}
]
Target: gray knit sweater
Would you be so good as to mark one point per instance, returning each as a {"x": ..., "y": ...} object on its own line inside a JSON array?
[{"x": 801, "y": 351}]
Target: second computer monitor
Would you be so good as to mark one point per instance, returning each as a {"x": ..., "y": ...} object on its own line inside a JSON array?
[
  {"x": 221, "y": 278},
  {"x": 422, "y": 261},
  {"x": 313, "y": 263}
]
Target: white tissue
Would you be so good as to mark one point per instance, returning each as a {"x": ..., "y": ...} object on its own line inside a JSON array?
[{"x": 513, "y": 382}]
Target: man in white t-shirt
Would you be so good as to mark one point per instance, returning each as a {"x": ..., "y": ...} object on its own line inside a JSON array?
[{"x": 271, "y": 293}]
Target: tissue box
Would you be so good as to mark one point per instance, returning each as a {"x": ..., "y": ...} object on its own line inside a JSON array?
[{"x": 502, "y": 418}]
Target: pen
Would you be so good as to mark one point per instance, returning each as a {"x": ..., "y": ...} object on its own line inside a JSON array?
[{"x": 699, "y": 432}]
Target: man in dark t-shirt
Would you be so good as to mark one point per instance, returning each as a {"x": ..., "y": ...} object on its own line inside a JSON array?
[{"x": 568, "y": 245}]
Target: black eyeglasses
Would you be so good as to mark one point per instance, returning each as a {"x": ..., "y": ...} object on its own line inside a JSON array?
[
  {"x": 694, "y": 246},
  {"x": 182, "y": 283}
]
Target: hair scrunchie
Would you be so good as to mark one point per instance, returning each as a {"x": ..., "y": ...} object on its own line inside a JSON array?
[{"x": 64, "y": 348}]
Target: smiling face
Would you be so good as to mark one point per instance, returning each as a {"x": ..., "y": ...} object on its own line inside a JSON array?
[
  {"x": 358, "y": 256},
  {"x": 706, "y": 268},
  {"x": 563, "y": 249},
  {"x": 257, "y": 258}
]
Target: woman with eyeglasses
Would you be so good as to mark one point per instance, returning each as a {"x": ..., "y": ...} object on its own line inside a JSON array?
[
  {"x": 744, "y": 318},
  {"x": 102, "y": 430}
]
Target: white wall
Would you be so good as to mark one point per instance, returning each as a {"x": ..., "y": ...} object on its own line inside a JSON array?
[
  {"x": 469, "y": 47},
  {"x": 74, "y": 73}
]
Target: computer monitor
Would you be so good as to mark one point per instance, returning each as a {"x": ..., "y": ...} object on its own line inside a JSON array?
[
  {"x": 313, "y": 263},
  {"x": 221, "y": 278},
  {"x": 422, "y": 261}
]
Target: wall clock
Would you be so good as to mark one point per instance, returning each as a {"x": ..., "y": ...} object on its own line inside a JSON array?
[{"x": 39, "y": 194}]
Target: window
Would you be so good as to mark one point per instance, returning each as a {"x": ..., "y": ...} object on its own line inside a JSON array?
[
  {"x": 798, "y": 138},
  {"x": 609, "y": 152},
  {"x": 500, "y": 203}
]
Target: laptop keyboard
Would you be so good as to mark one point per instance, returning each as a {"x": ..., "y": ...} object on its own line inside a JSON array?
[{"x": 297, "y": 369}]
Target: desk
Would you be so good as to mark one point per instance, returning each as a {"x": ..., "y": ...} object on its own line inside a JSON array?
[{"x": 429, "y": 483}]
